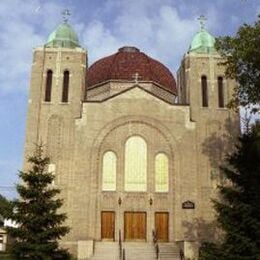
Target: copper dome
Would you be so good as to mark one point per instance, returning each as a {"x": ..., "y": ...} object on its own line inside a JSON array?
[{"x": 125, "y": 63}]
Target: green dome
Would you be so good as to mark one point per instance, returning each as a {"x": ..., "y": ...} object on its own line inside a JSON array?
[
  {"x": 203, "y": 42},
  {"x": 64, "y": 36}
]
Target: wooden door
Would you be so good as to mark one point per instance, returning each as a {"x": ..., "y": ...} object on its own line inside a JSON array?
[
  {"x": 108, "y": 225},
  {"x": 135, "y": 226},
  {"x": 162, "y": 226}
]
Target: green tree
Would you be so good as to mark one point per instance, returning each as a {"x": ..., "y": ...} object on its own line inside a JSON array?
[
  {"x": 238, "y": 208},
  {"x": 40, "y": 226},
  {"x": 242, "y": 55},
  {"x": 5, "y": 209}
]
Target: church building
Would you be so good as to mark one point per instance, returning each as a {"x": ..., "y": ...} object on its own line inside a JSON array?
[{"x": 134, "y": 150}]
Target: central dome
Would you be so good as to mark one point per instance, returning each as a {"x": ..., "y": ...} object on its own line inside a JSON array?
[{"x": 124, "y": 64}]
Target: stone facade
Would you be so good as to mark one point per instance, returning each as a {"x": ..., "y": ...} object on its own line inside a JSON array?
[{"x": 78, "y": 133}]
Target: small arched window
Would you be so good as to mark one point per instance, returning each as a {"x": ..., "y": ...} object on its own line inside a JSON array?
[
  {"x": 48, "y": 86},
  {"x": 135, "y": 164},
  {"x": 204, "y": 91},
  {"x": 65, "y": 87},
  {"x": 161, "y": 173},
  {"x": 220, "y": 92},
  {"x": 109, "y": 171}
]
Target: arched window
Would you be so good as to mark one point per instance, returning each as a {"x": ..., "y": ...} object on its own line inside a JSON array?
[
  {"x": 48, "y": 86},
  {"x": 135, "y": 164},
  {"x": 204, "y": 91},
  {"x": 161, "y": 173},
  {"x": 65, "y": 87},
  {"x": 220, "y": 92},
  {"x": 109, "y": 171}
]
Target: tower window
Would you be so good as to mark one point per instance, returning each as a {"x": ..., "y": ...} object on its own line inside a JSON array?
[
  {"x": 204, "y": 90},
  {"x": 65, "y": 88},
  {"x": 220, "y": 92},
  {"x": 48, "y": 86}
]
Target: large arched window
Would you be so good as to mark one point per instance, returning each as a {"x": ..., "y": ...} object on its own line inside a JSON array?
[
  {"x": 48, "y": 86},
  {"x": 109, "y": 171},
  {"x": 204, "y": 91},
  {"x": 135, "y": 164},
  {"x": 220, "y": 92},
  {"x": 161, "y": 173},
  {"x": 65, "y": 87}
]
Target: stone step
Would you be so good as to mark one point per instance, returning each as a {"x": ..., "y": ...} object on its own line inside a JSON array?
[
  {"x": 106, "y": 250},
  {"x": 169, "y": 251},
  {"x": 139, "y": 250}
]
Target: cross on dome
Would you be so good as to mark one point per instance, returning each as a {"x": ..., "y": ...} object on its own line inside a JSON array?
[
  {"x": 202, "y": 19},
  {"x": 136, "y": 77},
  {"x": 65, "y": 15}
]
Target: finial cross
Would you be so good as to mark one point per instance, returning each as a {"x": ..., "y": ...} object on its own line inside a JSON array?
[
  {"x": 136, "y": 77},
  {"x": 202, "y": 20},
  {"x": 65, "y": 15}
]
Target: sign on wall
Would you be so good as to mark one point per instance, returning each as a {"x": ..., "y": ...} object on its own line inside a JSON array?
[{"x": 188, "y": 205}]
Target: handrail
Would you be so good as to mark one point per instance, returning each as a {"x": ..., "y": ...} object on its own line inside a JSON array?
[
  {"x": 120, "y": 245},
  {"x": 121, "y": 249},
  {"x": 181, "y": 254},
  {"x": 156, "y": 245},
  {"x": 94, "y": 246},
  {"x": 123, "y": 254}
]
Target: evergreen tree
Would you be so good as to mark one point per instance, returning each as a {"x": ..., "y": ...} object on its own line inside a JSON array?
[
  {"x": 5, "y": 209},
  {"x": 40, "y": 226},
  {"x": 238, "y": 210}
]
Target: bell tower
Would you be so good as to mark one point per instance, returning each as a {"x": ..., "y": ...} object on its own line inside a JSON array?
[
  {"x": 56, "y": 92},
  {"x": 202, "y": 84},
  {"x": 201, "y": 77}
]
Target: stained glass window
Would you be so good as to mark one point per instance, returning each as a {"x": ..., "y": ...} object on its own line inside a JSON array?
[
  {"x": 135, "y": 164},
  {"x": 109, "y": 171},
  {"x": 161, "y": 173}
]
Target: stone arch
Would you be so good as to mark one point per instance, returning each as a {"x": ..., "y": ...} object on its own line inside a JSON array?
[{"x": 174, "y": 152}]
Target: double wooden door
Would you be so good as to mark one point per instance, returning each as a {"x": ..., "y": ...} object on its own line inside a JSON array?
[
  {"x": 162, "y": 226},
  {"x": 108, "y": 225},
  {"x": 135, "y": 226}
]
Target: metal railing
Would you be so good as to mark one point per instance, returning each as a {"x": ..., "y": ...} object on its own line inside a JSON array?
[
  {"x": 121, "y": 249},
  {"x": 156, "y": 245},
  {"x": 181, "y": 255}
]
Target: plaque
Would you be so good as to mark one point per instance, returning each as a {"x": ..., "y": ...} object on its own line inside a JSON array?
[{"x": 188, "y": 205}]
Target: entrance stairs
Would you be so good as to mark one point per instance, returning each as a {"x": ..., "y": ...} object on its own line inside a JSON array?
[
  {"x": 169, "y": 251},
  {"x": 106, "y": 251},
  {"x": 135, "y": 251},
  {"x": 139, "y": 251}
]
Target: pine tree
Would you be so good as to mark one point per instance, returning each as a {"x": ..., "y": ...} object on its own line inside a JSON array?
[
  {"x": 5, "y": 209},
  {"x": 238, "y": 209},
  {"x": 40, "y": 225}
]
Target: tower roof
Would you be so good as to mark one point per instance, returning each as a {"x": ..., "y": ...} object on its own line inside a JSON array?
[
  {"x": 203, "y": 42},
  {"x": 126, "y": 63},
  {"x": 63, "y": 36}
]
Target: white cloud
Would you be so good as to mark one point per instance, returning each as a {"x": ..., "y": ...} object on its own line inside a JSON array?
[
  {"x": 22, "y": 28},
  {"x": 153, "y": 26}
]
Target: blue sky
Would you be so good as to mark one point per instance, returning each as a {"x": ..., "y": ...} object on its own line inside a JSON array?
[{"x": 161, "y": 28}]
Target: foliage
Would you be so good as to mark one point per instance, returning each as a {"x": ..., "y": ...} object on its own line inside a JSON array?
[
  {"x": 40, "y": 226},
  {"x": 242, "y": 55},
  {"x": 238, "y": 210},
  {"x": 5, "y": 209}
]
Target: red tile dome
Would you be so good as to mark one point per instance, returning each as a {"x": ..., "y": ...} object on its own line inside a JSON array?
[{"x": 125, "y": 63}]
